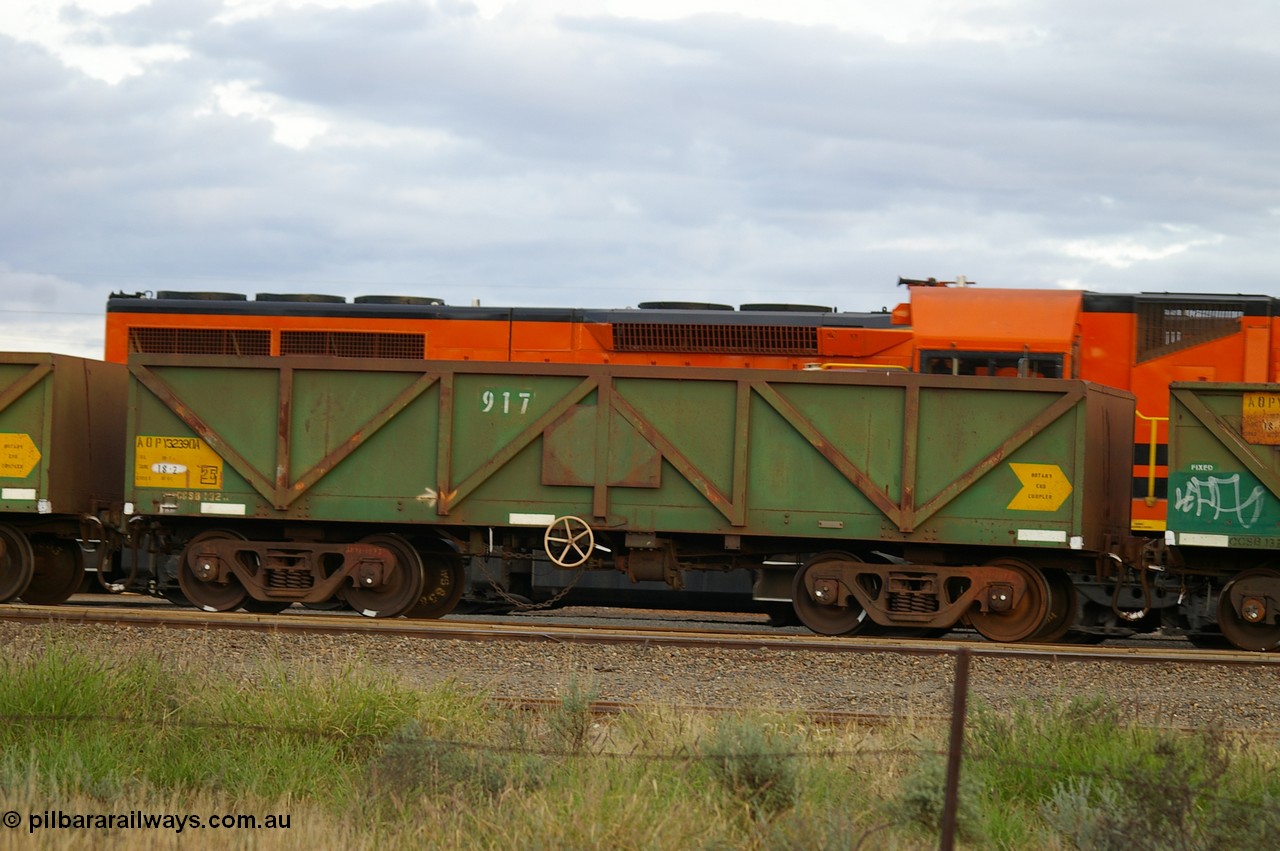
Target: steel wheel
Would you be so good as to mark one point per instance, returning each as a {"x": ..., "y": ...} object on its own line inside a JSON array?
[
  {"x": 17, "y": 563},
  {"x": 58, "y": 572},
  {"x": 210, "y": 595},
  {"x": 1064, "y": 604},
  {"x": 1261, "y": 636},
  {"x": 444, "y": 578},
  {"x": 569, "y": 541},
  {"x": 1033, "y": 613},
  {"x": 401, "y": 587},
  {"x": 823, "y": 618}
]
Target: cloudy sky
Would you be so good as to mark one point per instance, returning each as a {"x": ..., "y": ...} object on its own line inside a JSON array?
[{"x": 599, "y": 154}]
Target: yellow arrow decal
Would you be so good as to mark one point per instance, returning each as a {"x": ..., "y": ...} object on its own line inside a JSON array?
[
  {"x": 1044, "y": 487},
  {"x": 18, "y": 456}
]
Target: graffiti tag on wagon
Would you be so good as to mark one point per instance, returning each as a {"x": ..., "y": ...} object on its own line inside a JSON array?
[{"x": 1214, "y": 497}]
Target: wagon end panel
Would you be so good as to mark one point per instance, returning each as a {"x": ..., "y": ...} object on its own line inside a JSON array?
[
  {"x": 1022, "y": 463},
  {"x": 1224, "y": 465},
  {"x": 26, "y": 431},
  {"x": 298, "y": 438},
  {"x": 61, "y": 422}
]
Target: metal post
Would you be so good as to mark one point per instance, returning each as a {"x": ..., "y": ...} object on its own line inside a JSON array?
[{"x": 959, "y": 701}]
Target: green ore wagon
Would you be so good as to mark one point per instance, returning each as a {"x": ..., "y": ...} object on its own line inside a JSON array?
[
  {"x": 1224, "y": 502},
  {"x": 906, "y": 500},
  {"x": 61, "y": 469}
]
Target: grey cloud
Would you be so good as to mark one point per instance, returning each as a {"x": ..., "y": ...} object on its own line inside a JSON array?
[{"x": 606, "y": 161}]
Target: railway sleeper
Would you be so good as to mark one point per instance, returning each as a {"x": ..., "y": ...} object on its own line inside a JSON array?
[{"x": 933, "y": 596}]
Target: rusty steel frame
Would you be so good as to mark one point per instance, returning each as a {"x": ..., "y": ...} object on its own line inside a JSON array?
[
  {"x": 982, "y": 581},
  {"x": 227, "y": 551}
]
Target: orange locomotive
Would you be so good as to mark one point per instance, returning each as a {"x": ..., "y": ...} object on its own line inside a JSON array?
[
  {"x": 658, "y": 334},
  {"x": 1138, "y": 343}
]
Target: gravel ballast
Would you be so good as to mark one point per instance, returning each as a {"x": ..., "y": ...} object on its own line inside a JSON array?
[{"x": 1166, "y": 694}]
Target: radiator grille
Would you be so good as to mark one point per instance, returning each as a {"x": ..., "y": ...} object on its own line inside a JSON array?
[
  {"x": 199, "y": 341},
  {"x": 716, "y": 339},
  {"x": 1168, "y": 326},
  {"x": 353, "y": 344}
]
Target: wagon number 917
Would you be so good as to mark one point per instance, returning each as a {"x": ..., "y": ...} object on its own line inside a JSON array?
[{"x": 506, "y": 400}]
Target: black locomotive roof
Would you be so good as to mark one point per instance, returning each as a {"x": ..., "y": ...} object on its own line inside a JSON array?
[
  {"x": 230, "y": 304},
  {"x": 1248, "y": 305}
]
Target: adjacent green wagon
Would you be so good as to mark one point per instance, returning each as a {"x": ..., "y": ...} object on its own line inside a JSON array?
[
  {"x": 61, "y": 469},
  {"x": 909, "y": 499},
  {"x": 1224, "y": 501}
]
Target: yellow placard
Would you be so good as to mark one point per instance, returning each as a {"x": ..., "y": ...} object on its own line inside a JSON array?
[
  {"x": 18, "y": 456},
  {"x": 1261, "y": 422},
  {"x": 1044, "y": 487},
  {"x": 176, "y": 462}
]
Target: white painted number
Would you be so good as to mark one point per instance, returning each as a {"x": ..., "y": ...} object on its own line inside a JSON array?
[{"x": 489, "y": 400}]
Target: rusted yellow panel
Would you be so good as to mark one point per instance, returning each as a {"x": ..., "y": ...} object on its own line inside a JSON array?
[{"x": 1261, "y": 423}]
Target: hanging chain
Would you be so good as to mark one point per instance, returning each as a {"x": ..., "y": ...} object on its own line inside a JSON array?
[{"x": 524, "y": 605}]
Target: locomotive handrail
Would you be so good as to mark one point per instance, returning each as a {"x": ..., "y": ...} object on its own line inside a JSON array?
[
  {"x": 813, "y": 367},
  {"x": 1150, "y": 498}
]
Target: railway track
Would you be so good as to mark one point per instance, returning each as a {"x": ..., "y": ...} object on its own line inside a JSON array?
[
  {"x": 724, "y": 635},
  {"x": 726, "y": 662}
]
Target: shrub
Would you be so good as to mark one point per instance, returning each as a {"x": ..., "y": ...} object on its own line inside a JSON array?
[{"x": 755, "y": 765}]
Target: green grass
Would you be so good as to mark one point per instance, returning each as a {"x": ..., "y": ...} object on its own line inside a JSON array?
[{"x": 361, "y": 760}]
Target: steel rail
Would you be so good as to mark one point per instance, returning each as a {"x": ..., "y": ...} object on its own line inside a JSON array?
[{"x": 463, "y": 630}]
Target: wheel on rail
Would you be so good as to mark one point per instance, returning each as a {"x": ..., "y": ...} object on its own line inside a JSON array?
[
  {"x": 1024, "y": 621},
  {"x": 444, "y": 579},
  {"x": 210, "y": 594},
  {"x": 826, "y": 618},
  {"x": 1255, "y": 591},
  {"x": 254, "y": 606},
  {"x": 1064, "y": 605},
  {"x": 400, "y": 588},
  {"x": 569, "y": 541},
  {"x": 333, "y": 604},
  {"x": 1209, "y": 640},
  {"x": 782, "y": 614},
  {"x": 1075, "y": 636},
  {"x": 166, "y": 573},
  {"x": 58, "y": 572},
  {"x": 17, "y": 563}
]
